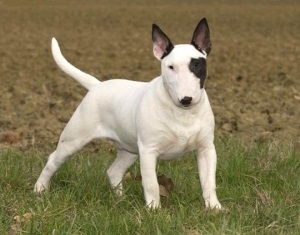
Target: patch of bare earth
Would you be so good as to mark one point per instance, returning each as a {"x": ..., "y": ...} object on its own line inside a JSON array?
[{"x": 253, "y": 83}]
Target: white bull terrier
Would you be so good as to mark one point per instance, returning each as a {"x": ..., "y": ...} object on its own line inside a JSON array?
[{"x": 162, "y": 119}]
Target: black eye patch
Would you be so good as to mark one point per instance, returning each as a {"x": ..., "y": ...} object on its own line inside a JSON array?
[{"x": 198, "y": 67}]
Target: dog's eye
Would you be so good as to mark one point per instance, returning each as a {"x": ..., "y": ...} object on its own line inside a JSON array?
[
  {"x": 171, "y": 67},
  {"x": 196, "y": 64}
]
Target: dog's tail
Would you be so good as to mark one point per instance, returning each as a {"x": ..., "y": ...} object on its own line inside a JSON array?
[{"x": 83, "y": 78}]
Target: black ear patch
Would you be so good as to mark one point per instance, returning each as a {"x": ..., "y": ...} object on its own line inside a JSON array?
[{"x": 198, "y": 67}]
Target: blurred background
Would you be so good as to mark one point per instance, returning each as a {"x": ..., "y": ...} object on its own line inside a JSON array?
[{"x": 253, "y": 83}]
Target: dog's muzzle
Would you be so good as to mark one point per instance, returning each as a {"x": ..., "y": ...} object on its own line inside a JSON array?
[{"x": 186, "y": 101}]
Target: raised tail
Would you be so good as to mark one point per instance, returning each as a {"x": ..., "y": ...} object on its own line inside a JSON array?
[{"x": 83, "y": 78}]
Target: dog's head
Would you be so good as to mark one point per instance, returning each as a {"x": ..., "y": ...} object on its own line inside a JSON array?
[{"x": 183, "y": 66}]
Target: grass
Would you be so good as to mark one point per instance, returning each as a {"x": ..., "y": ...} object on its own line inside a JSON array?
[{"x": 259, "y": 185}]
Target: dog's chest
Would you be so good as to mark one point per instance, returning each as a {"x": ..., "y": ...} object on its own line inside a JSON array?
[
  {"x": 170, "y": 131},
  {"x": 181, "y": 139}
]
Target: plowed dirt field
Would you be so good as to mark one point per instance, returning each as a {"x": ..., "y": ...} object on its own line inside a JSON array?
[{"x": 253, "y": 84}]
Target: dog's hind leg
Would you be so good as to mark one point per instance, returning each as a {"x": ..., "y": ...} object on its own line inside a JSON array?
[
  {"x": 79, "y": 131},
  {"x": 117, "y": 170},
  {"x": 55, "y": 160}
]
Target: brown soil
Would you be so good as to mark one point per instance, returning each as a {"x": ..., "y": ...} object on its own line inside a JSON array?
[{"x": 253, "y": 84}]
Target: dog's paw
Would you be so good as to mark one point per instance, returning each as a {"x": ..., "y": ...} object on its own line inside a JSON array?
[
  {"x": 213, "y": 203},
  {"x": 153, "y": 206},
  {"x": 214, "y": 206},
  {"x": 39, "y": 187},
  {"x": 118, "y": 191}
]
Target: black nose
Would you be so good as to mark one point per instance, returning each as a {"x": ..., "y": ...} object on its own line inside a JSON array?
[{"x": 186, "y": 100}]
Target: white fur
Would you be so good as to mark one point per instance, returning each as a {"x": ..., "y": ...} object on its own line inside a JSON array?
[
  {"x": 144, "y": 119},
  {"x": 84, "y": 79}
]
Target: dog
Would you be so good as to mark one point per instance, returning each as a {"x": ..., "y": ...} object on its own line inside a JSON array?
[{"x": 162, "y": 119}]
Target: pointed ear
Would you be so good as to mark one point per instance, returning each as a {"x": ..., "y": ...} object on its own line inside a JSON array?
[
  {"x": 162, "y": 45},
  {"x": 201, "y": 37}
]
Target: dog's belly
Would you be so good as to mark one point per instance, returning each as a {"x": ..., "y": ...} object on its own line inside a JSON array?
[
  {"x": 170, "y": 147},
  {"x": 129, "y": 147}
]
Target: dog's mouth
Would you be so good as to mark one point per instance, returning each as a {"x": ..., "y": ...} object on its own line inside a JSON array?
[{"x": 186, "y": 106}]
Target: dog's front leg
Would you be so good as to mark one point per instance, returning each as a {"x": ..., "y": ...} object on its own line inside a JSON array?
[
  {"x": 207, "y": 163},
  {"x": 149, "y": 179}
]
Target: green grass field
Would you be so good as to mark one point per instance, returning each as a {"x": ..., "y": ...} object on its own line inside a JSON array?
[{"x": 259, "y": 186}]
